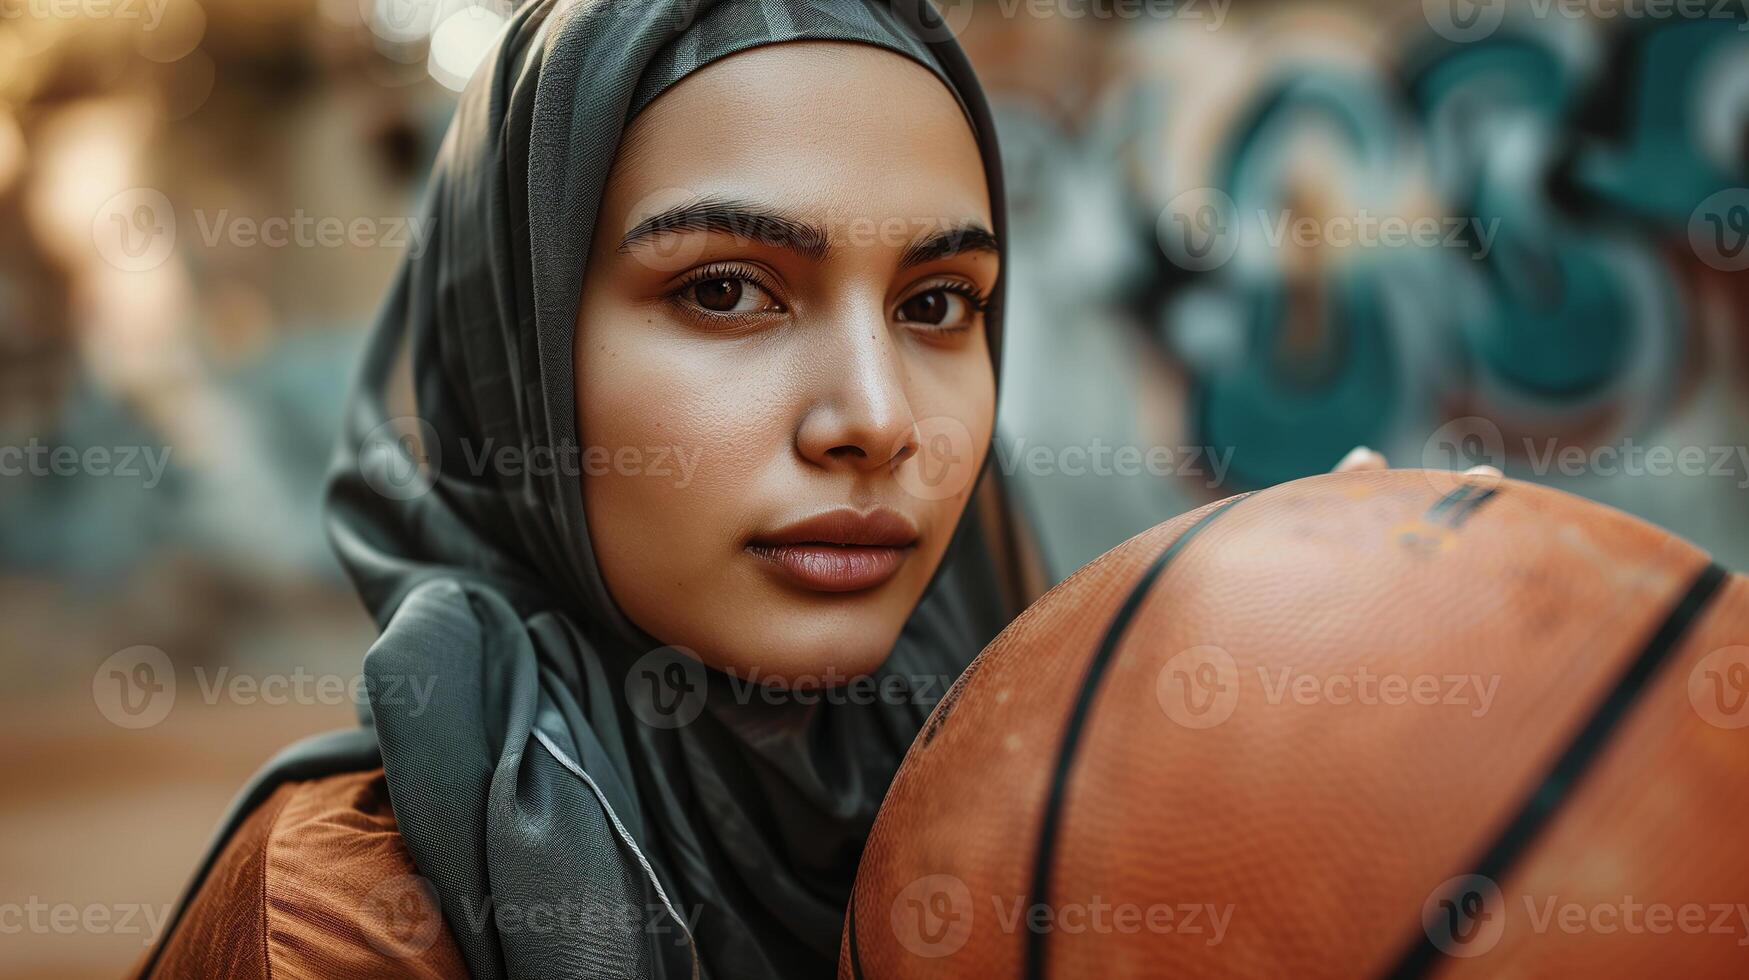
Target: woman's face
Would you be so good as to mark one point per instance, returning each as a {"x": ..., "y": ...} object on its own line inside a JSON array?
[{"x": 784, "y": 383}]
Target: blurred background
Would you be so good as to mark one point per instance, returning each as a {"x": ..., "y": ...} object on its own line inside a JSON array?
[{"x": 1247, "y": 236}]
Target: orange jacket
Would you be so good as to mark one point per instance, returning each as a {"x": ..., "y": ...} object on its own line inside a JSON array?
[{"x": 315, "y": 883}]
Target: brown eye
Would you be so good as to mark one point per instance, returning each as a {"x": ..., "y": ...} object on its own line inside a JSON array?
[
  {"x": 943, "y": 309},
  {"x": 718, "y": 295},
  {"x": 928, "y": 307},
  {"x": 727, "y": 293}
]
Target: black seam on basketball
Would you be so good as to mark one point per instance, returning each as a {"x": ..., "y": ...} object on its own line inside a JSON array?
[
  {"x": 1535, "y": 813},
  {"x": 855, "y": 954},
  {"x": 1466, "y": 505},
  {"x": 1452, "y": 496},
  {"x": 1108, "y": 644},
  {"x": 1469, "y": 507},
  {"x": 937, "y": 718}
]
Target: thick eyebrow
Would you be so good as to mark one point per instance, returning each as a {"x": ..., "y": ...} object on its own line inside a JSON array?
[
  {"x": 761, "y": 224},
  {"x": 738, "y": 218},
  {"x": 966, "y": 238}
]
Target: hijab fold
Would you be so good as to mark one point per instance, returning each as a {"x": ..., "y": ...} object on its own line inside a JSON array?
[{"x": 565, "y": 829}]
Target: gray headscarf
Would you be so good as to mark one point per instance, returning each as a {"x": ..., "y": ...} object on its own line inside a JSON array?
[{"x": 534, "y": 781}]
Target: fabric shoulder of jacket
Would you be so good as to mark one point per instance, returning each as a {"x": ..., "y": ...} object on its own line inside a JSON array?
[{"x": 315, "y": 882}]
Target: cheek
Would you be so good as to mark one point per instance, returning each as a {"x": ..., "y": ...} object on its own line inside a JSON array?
[
  {"x": 684, "y": 438},
  {"x": 961, "y": 388}
]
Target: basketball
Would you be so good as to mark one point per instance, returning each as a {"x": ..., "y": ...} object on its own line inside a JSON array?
[{"x": 1397, "y": 723}]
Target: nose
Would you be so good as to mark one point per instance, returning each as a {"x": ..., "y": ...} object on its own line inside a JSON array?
[{"x": 858, "y": 417}]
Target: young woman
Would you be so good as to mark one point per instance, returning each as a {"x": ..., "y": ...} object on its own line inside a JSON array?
[
  {"x": 704, "y": 362},
  {"x": 703, "y": 359}
]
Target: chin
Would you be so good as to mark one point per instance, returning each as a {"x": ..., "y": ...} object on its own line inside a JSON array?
[
  {"x": 810, "y": 655},
  {"x": 759, "y": 630}
]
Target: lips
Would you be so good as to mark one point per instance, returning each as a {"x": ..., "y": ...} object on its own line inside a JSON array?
[{"x": 839, "y": 551}]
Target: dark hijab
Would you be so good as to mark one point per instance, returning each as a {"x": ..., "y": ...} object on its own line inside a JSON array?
[{"x": 574, "y": 816}]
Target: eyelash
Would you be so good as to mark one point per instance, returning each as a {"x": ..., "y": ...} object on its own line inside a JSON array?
[
  {"x": 712, "y": 273},
  {"x": 977, "y": 298}
]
